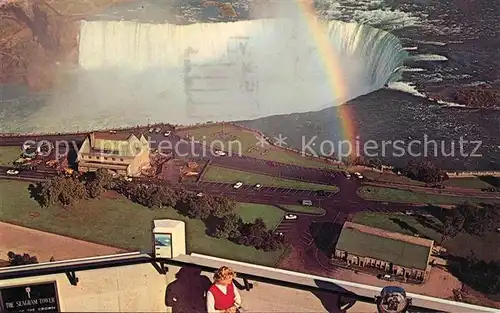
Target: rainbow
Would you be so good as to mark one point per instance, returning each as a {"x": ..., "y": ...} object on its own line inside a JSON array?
[{"x": 333, "y": 70}]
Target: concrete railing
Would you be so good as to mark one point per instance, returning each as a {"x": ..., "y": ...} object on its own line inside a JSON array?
[{"x": 251, "y": 272}]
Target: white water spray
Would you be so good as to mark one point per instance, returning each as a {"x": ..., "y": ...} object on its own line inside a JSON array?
[{"x": 135, "y": 73}]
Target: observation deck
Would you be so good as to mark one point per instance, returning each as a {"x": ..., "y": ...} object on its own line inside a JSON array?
[{"x": 139, "y": 282}]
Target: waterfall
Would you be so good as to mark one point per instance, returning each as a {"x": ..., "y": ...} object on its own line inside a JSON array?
[{"x": 132, "y": 73}]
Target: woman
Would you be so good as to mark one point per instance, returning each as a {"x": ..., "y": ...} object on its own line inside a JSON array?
[{"x": 223, "y": 296}]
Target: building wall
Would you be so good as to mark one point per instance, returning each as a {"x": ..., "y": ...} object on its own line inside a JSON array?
[
  {"x": 135, "y": 164},
  {"x": 382, "y": 265}
]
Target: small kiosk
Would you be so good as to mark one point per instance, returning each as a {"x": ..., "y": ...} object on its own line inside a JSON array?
[{"x": 169, "y": 238}]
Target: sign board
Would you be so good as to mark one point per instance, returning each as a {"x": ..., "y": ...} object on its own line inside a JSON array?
[
  {"x": 39, "y": 297},
  {"x": 163, "y": 245}
]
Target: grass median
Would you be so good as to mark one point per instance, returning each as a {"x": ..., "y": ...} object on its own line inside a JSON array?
[
  {"x": 304, "y": 209},
  {"x": 462, "y": 182},
  {"x": 226, "y": 175},
  {"x": 8, "y": 154},
  {"x": 271, "y": 215},
  {"x": 428, "y": 227},
  {"x": 405, "y": 196},
  {"x": 229, "y": 135},
  {"x": 114, "y": 220}
]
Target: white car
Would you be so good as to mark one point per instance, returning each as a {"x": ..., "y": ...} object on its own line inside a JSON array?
[
  {"x": 128, "y": 178},
  {"x": 238, "y": 185},
  {"x": 166, "y": 134},
  {"x": 258, "y": 186},
  {"x": 199, "y": 194},
  {"x": 151, "y": 130},
  {"x": 157, "y": 130},
  {"x": 220, "y": 153},
  {"x": 347, "y": 175},
  {"x": 358, "y": 175},
  {"x": 290, "y": 217},
  {"x": 12, "y": 172}
]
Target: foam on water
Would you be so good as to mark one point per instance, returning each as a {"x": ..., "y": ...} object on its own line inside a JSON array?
[
  {"x": 406, "y": 87},
  {"x": 413, "y": 69},
  {"x": 134, "y": 73},
  {"x": 429, "y": 58}
]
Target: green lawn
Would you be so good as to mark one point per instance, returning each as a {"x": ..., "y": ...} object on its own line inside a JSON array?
[
  {"x": 269, "y": 213},
  {"x": 8, "y": 154},
  {"x": 467, "y": 182},
  {"x": 222, "y": 174},
  {"x": 390, "y": 178},
  {"x": 117, "y": 222},
  {"x": 248, "y": 145},
  {"x": 404, "y": 196},
  {"x": 401, "y": 223},
  {"x": 304, "y": 209}
]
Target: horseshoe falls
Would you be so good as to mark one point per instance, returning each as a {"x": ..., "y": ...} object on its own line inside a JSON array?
[{"x": 134, "y": 73}]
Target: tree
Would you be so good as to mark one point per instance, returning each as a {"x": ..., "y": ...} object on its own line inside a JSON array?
[
  {"x": 94, "y": 190},
  {"x": 222, "y": 206},
  {"x": 453, "y": 224},
  {"x": 18, "y": 259},
  {"x": 104, "y": 179},
  {"x": 479, "y": 219},
  {"x": 482, "y": 276},
  {"x": 424, "y": 171},
  {"x": 229, "y": 227},
  {"x": 63, "y": 190},
  {"x": 198, "y": 207}
]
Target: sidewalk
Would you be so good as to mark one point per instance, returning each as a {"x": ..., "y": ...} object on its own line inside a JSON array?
[{"x": 45, "y": 245}]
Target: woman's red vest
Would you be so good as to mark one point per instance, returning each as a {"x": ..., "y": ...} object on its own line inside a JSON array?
[{"x": 223, "y": 301}]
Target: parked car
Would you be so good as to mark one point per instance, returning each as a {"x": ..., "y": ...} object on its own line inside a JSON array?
[
  {"x": 157, "y": 130},
  {"x": 258, "y": 186},
  {"x": 220, "y": 153},
  {"x": 112, "y": 131},
  {"x": 409, "y": 212},
  {"x": 347, "y": 175},
  {"x": 151, "y": 130},
  {"x": 128, "y": 178},
  {"x": 358, "y": 175},
  {"x": 307, "y": 203},
  {"x": 387, "y": 277},
  {"x": 12, "y": 172},
  {"x": 290, "y": 217},
  {"x": 238, "y": 185},
  {"x": 166, "y": 134},
  {"x": 199, "y": 194}
]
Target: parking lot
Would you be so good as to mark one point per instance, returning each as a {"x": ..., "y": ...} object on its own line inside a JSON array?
[{"x": 251, "y": 188}]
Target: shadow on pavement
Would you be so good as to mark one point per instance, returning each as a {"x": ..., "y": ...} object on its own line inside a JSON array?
[
  {"x": 492, "y": 180},
  {"x": 187, "y": 292},
  {"x": 334, "y": 302},
  {"x": 325, "y": 235}
]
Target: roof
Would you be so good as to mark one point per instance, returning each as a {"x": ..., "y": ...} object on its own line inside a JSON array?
[
  {"x": 398, "y": 252},
  {"x": 114, "y": 144}
]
